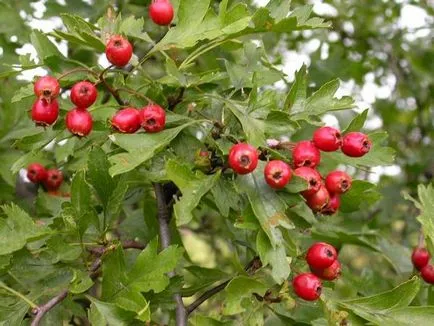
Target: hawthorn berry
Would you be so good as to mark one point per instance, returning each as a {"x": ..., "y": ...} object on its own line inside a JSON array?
[
  {"x": 319, "y": 200},
  {"x": 420, "y": 257},
  {"x": 307, "y": 286},
  {"x": 427, "y": 273},
  {"x": 243, "y": 158},
  {"x": 45, "y": 113},
  {"x": 153, "y": 118},
  {"x": 327, "y": 139},
  {"x": 79, "y": 122},
  {"x": 330, "y": 273},
  {"x": 333, "y": 205},
  {"x": 312, "y": 177},
  {"x": 83, "y": 94},
  {"x": 161, "y": 12},
  {"x": 119, "y": 51},
  {"x": 306, "y": 154},
  {"x": 356, "y": 144},
  {"x": 321, "y": 255},
  {"x": 126, "y": 120},
  {"x": 277, "y": 174},
  {"x": 338, "y": 182},
  {"x": 47, "y": 88},
  {"x": 36, "y": 173},
  {"x": 54, "y": 179}
]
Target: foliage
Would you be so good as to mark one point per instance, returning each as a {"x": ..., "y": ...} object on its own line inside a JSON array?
[{"x": 101, "y": 253}]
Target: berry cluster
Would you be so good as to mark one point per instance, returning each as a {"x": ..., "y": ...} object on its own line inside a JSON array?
[
  {"x": 152, "y": 118},
  {"x": 323, "y": 262},
  {"x": 45, "y": 109},
  {"x": 420, "y": 259},
  {"x": 51, "y": 179},
  {"x": 322, "y": 196}
]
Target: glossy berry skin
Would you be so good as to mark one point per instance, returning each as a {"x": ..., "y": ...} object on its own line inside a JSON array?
[
  {"x": 312, "y": 177},
  {"x": 243, "y": 158},
  {"x": 153, "y": 118},
  {"x": 54, "y": 180},
  {"x": 330, "y": 273},
  {"x": 327, "y": 139},
  {"x": 126, "y": 120},
  {"x": 427, "y": 273},
  {"x": 420, "y": 257},
  {"x": 321, "y": 255},
  {"x": 45, "y": 113},
  {"x": 47, "y": 87},
  {"x": 161, "y": 12},
  {"x": 338, "y": 182},
  {"x": 319, "y": 200},
  {"x": 277, "y": 174},
  {"x": 36, "y": 173},
  {"x": 79, "y": 122},
  {"x": 119, "y": 51},
  {"x": 307, "y": 286},
  {"x": 83, "y": 94},
  {"x": 332, "y": 206},
  {"x": 306, "y": 154},
  {"x": 356, "y": 144}
]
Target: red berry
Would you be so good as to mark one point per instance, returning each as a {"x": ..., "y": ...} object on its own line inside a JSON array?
[
  {"x": 243, "y": 158},
  {"x": 327, "y": 139},
  {"x": 427, "y": 274},
  {"x": 333, "y": 205},
  {"x": 312, "y": 177},
  {"x": 306, "y": 154},
  {"x": 338, "y": 182},
  {"x": 153, "y": 118},
  {"x": 36, "y": 173},
  {"x": 161, "y": 12},
  {"x": 321, "y": 255},
  {"x": 319, "y": 200},
  {"x": 277, "y": 174},
  {"x": 330, "y": 273},
  {"x": 54, "y": 180},
  {"x": 79, "y": 122},
  {"x": 127, "y": 120},
  {"x": 83, "y": 94},
  {"x": 47, "y": 87},
  {"x": 420, "y": 257},
  {"x": 118, "y": 51},
  {"x": 356, "y": 144},
  {"x": 307, "y": 286},
  {"x": 45, "y": 113}
]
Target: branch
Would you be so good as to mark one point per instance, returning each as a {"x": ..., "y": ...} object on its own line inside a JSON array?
[
  {"x": 40, "y": 311},
  {"x": 251, "y": 268},
  {"x": 163, "y": 221}
]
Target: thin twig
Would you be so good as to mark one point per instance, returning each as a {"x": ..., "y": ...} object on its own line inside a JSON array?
[
  {"x": 163, "y": 221},
  {"x": 251, "y": 268},
  {"x": 19, "y": 295},
  {"x": 40, "y": 311}
]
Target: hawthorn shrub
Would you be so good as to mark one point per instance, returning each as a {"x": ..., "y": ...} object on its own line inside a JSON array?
[{"x": 178, "y": 186}]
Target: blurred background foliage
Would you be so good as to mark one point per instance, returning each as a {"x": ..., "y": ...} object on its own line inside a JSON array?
[{"x": 385, "y": 61}]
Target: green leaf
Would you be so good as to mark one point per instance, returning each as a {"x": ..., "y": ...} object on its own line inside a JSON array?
[
  {"x": 193, "y": 187},
  {"x": 361, "y": 194},
  {"x": 378, "y": 155},
  {"x": 109, "y": 313},
  {"x": 426, "y": 207},
  {"x": 225, "y": 196},
  {"x": 23, "y": 93},
  {"x": 240, "y": 288},
  {"x": 116, "y": 200},
  {"x": 114, "y": 274},
  {"x": 134, "y": 28},
  {"x": 17, "y": 229},
  {"x": 357, "y": 123},
  {"x": 275, "y": 257},
  {"x": 81, "y": 282},
  {"x": 373, "y": 308},
  {"x": 47, "y": 51},
  {"x": 421, "y": 316},
  {"x": 296, "y": 99},
  {"x": 140, "y": 147},
  {"x": 267, "y": 206},
  {"x": 80, "y": 193},
  {"x": 98, "y": 175}
]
